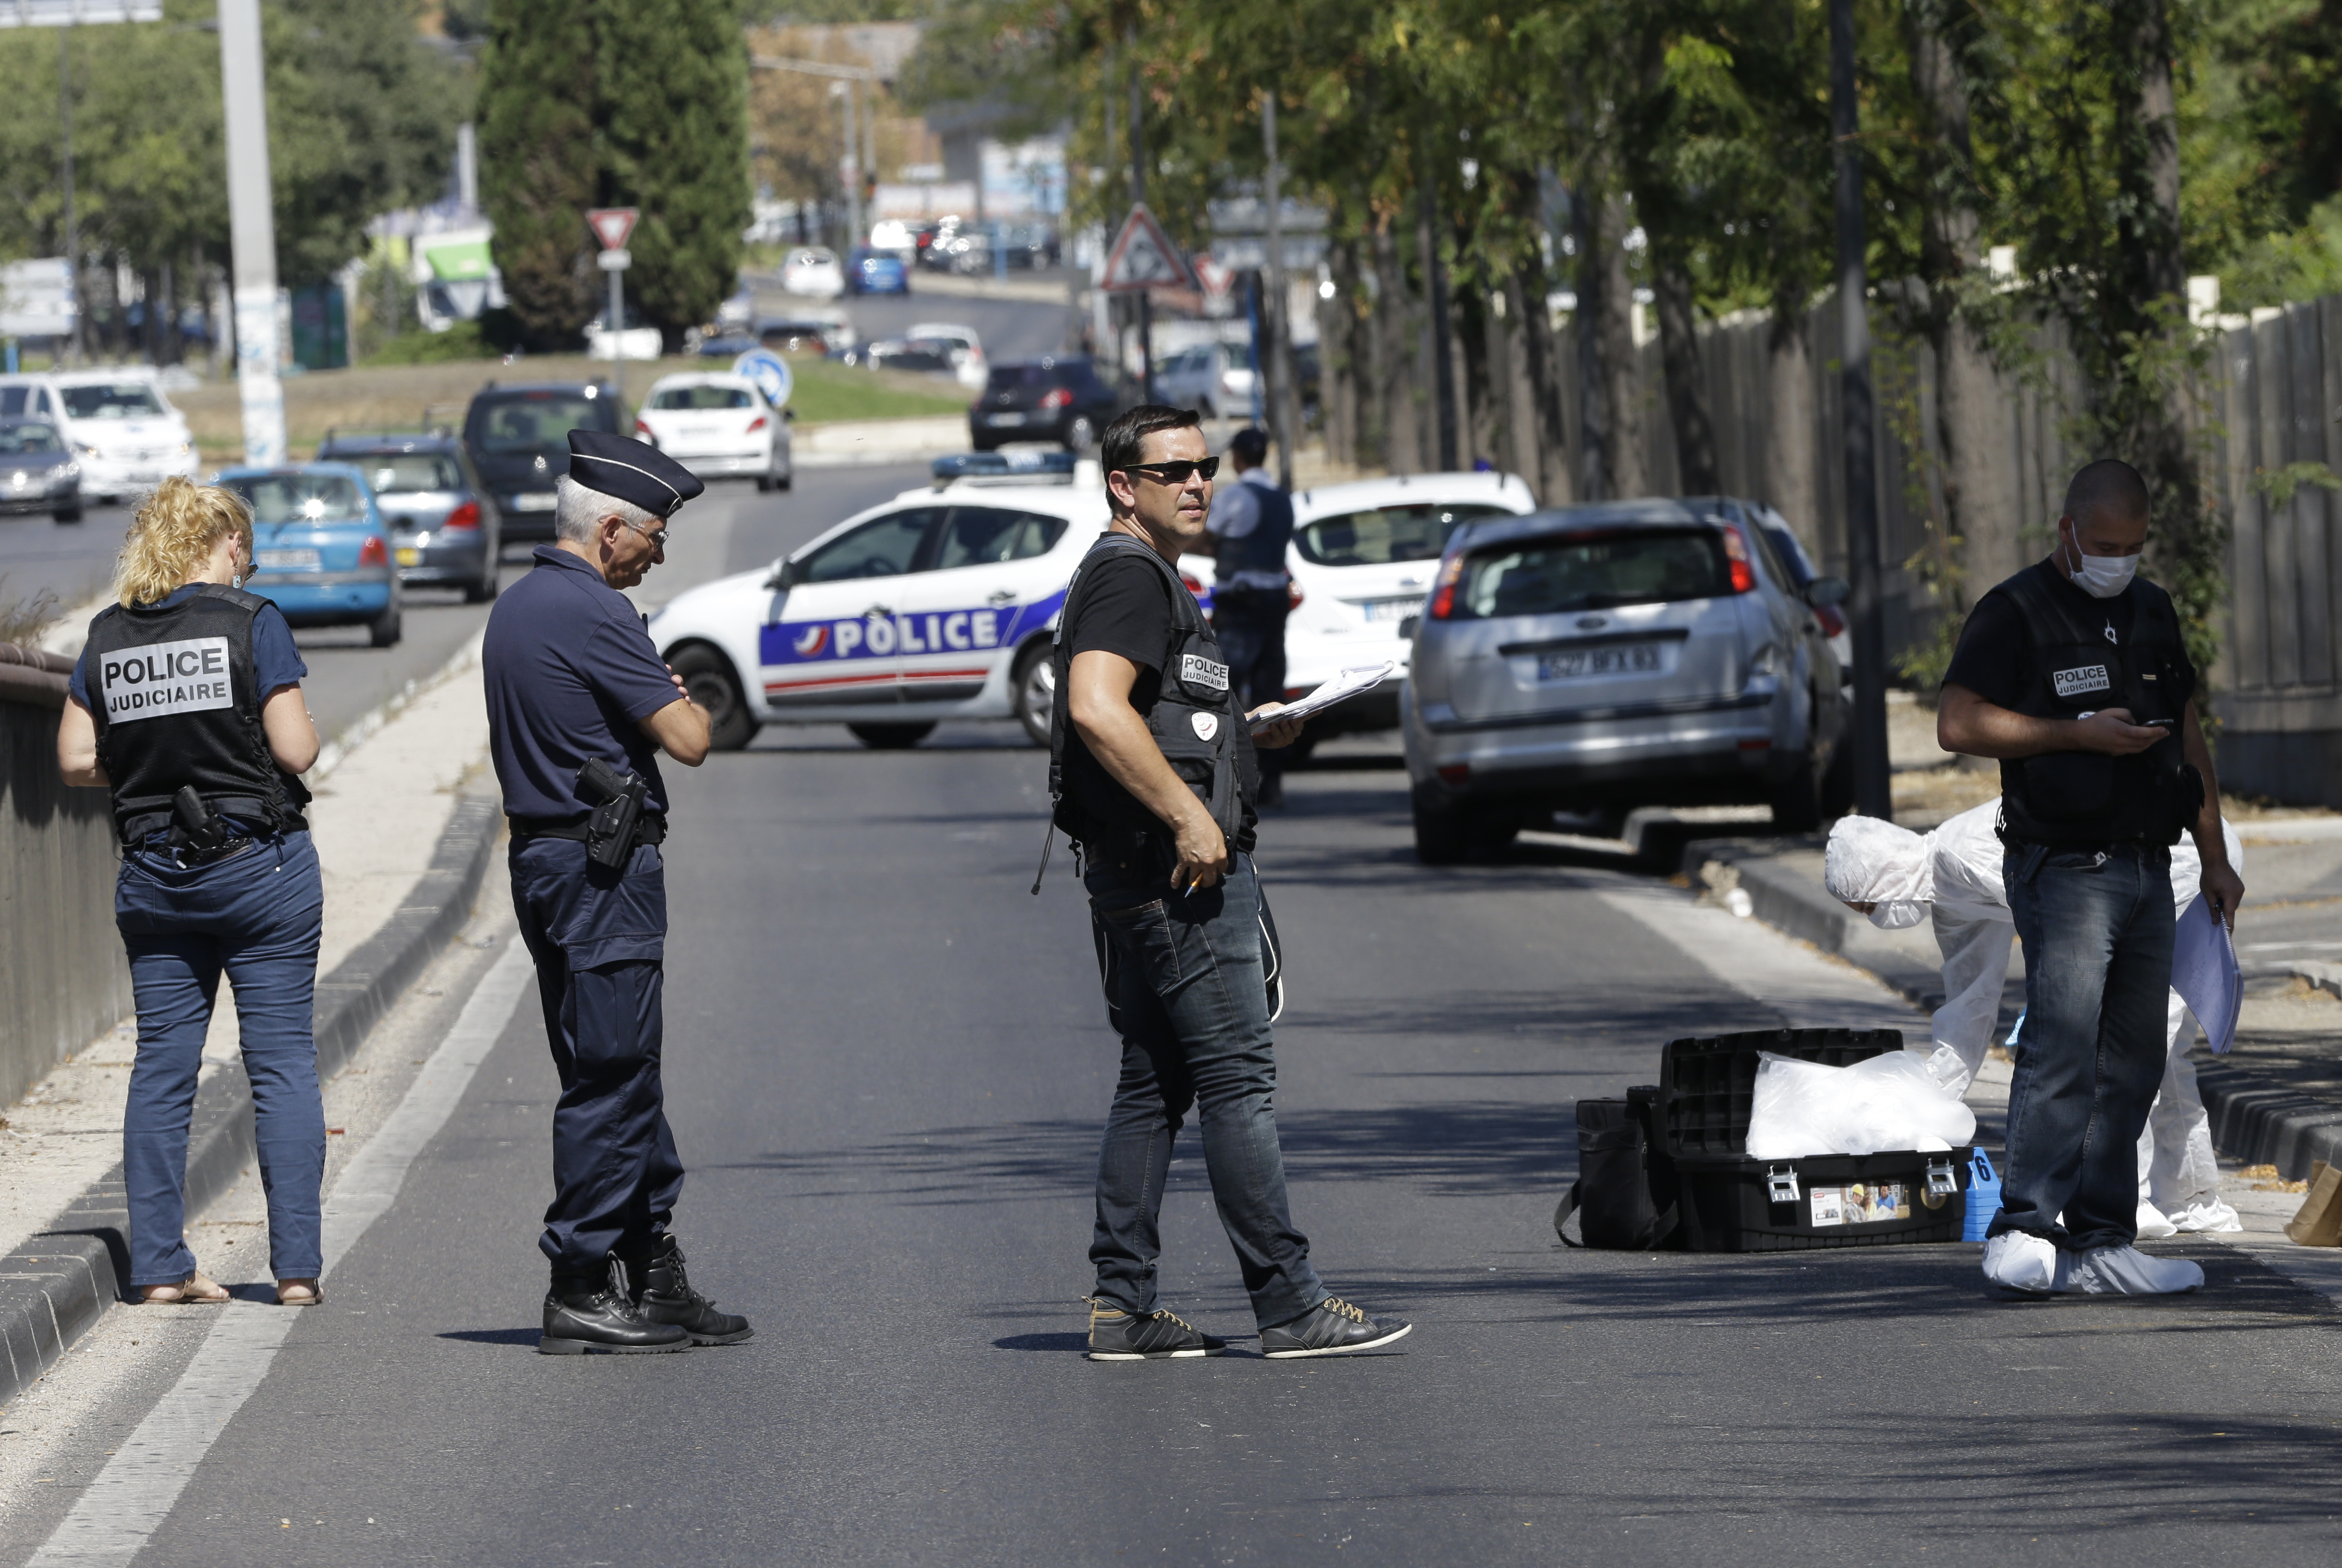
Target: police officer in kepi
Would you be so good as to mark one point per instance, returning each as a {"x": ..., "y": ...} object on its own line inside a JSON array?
[
  {"x": 1251, "y": 524},
  {"x": 579, "y": 707},
  {"x": 1153, "y": 776},
  {"x": 2073, "y": 675}
]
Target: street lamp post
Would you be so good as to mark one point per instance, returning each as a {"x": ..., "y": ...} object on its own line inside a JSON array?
[{"x": 252, "y": 228}]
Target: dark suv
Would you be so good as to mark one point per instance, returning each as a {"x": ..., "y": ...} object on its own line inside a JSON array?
[
  {"x": 446, "y": 529},
  {"x": 1059, "y": 400},
  {"x": 518, "y": 437}
]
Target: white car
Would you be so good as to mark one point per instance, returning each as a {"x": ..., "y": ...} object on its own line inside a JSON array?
[
  {"x": 968, "y": 363},
  {"x": 1212, "y": 378},
  {"x": 813, "y": 271},
  {"x": 118, "y": 425},
  {"x": 938, "y": 605},
  {"x": 1362, "y": 560},
  {"x": 717, "y": 424}
]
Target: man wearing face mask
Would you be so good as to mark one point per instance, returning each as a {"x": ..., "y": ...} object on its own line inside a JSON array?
[{"x": 2073, "y": 675}]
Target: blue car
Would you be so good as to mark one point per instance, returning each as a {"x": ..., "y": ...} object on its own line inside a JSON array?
[
  {"x": 877, "y": 272},
  {"x": 320, "y": 547}
]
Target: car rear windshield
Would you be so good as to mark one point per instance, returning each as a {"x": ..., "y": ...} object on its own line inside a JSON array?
[
  {"x": 1383, "y": 535},
  {"x": 1594, "y": 570},
  {"x": 117, "y": 399},
  {"x": 300, "y": 497},
  {"x": 404, "y": 472},
  {"x": 671, "y": 398},
  {"x": 534, "y": 421},
  {"x": 21, "y": 438},
  {"x": 1020, "y": 378}
]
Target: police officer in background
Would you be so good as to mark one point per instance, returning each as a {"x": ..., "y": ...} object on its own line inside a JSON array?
[
  {"x": 2073, "y": 675},
  {"x": 579, "y": 707},
  {"x": 1151, "y": 768},
  {"x": 1251, "y": 524}
]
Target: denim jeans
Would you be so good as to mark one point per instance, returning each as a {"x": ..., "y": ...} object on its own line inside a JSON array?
[
  {"x": 1184, "y": 989},
  {"x": 2097, "y": 931},
  {"x": 255, "y": 915}
]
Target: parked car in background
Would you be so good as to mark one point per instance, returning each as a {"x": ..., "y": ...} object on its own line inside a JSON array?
[
  {"x": 518, "y": 437},
  {"x": 123, "y": 433},
  {"x": 320, "y": 547},
  {"x": 813, "y": 271},
  {"x": 916, "y": 354},
  {"x": 445, "y": 530},
  {"x": 716, "y": 426},
  {"x": 36, "y": 472},
  {"x": 1029, "y": 245},
  {"x": 1599, "y": 657},
  {"x": 897, "y": 238},
  {"x": 1212, "y": 378},
  {"x": 877, "y": 272},
  {"x": 1802, "y": 571},
  {"x": 1048, "y": 399},
  {"x": 814, "y": 329},
  {"x": 966, "y": 349}
]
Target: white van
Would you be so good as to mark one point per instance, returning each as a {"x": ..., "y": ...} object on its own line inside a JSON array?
[{"x": 122, "y": 430}]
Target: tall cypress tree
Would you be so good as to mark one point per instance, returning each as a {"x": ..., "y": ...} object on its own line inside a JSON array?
[{"x": 538, "y": 162}]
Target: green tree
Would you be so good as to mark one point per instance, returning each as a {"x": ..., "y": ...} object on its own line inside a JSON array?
[{"x": 538, "y": 163}]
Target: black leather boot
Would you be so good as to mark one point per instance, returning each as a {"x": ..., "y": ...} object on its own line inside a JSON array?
[
  {"x": 592, "y": 1315},
  {"x": 667, "y": 1298}
]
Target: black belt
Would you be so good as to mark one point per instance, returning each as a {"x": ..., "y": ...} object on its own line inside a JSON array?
[{"x": 649, "y": 828}]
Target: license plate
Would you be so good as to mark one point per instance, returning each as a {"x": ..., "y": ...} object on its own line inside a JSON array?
[
  {"x": 288, "y": 560},
  {"x": 1008, "y": 419},
  {"x": 1381, "y": 610},
  {"x": 408, "y": 555},
  {"x": 1618, "y": 659},
  {"x": 534, "y": 501}
]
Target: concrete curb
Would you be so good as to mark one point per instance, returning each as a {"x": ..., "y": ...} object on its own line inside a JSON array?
[{"x": 57, "y": 1285}]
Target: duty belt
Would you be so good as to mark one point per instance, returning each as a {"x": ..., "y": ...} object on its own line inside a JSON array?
[{"x": 649, "y": 828}]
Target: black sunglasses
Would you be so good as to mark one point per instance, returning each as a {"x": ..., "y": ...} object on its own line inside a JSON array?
[{"x": 1175, "y": 472}]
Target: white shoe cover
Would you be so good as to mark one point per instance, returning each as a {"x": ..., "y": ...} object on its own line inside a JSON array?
[
  {"x": 2017, "y": 1262},
  {"x": 2206, "y": 1216},
  {"x": 2152, "y": 1224},
  {"x": 2126, "y": 1272}
]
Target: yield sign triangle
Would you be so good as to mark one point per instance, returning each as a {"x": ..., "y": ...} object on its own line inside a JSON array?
[
  {"x": 612, "y": 226},
  {"x": 1144, "y": 257}
]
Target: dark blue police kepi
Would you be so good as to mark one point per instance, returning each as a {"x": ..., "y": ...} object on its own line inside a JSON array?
[{"x": 630, "y": 470}]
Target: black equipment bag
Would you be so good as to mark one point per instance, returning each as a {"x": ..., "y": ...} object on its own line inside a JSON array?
[{"x": 1625, "y": 1194}]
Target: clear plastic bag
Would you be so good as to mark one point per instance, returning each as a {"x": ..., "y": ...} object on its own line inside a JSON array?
[{"x": 1890, "y": 1102}]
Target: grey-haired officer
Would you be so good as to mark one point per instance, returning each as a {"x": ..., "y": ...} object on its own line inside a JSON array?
[{"x": 573, "y": 679}]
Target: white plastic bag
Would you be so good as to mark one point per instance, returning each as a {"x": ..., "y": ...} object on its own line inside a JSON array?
[{"x": 1890, "y": 1102}]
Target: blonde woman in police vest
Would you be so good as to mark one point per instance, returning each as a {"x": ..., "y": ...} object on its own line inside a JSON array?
[{"x": 187, "y": 703}]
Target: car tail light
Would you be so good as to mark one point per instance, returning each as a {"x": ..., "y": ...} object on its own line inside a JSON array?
[
  {"x": 1194, "y": 586},
  {"x": 1832, "y": 622},
  {"x": 1744, "y": 575},
  {"x": 1292, "y": 596},
  {"x": 373, "y": 552},
  {"x": 756, "y": 425},
  {"x": 1443, "y": 592},
  {"x": 466, "y": 516},
  {"x": 646, "y": 431},
  {"x": 1455, "y": 774},
  {"x": 1057, "y": 397}
]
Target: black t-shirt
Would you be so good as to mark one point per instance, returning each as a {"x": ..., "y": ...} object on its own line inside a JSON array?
[
  {"x": 1994, "y": 656},
  {"x": 1125, "y": 609}
]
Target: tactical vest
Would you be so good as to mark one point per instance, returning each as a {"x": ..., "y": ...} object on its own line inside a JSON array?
[
  {"x": 1263, "y": 549},
  {"x": 175, "y": 697},
  {"x": 1195, "y": 720},
  {"x": 2087, "y": 797}
]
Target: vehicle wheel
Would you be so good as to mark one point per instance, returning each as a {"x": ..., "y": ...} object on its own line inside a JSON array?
[
  {"x": 1081, "y": 434},
  {"x": 1797, "y": 801},
  {"x": 384, "y": 630},
  {"x": 66, "y": 514},
  {"x": 786, "y": 481},
  {"x": 890, "y": 737},
  {"x": 985, "y": 445},
  {"x": 1034, "y": 683},
  {"x": 1440, "y": 838},
  {"x": 481, "y": 592},
  {"x": 764, "y": 483},
  {"x": 707, "y": 676},
  {"x": 1489, "y": 834}
]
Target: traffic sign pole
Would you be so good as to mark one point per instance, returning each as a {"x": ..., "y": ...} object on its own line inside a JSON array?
[{"x": 614, "y": 226}]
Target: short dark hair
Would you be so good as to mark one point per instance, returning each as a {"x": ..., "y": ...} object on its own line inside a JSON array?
[
  {"x": 1120, "y": 446},
  {"x": 1251, "y": 443},
  {"x": 2107, "y": 486}
]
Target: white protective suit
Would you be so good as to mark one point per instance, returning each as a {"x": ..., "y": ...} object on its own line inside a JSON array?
[{"x": 1953, "y": 876}]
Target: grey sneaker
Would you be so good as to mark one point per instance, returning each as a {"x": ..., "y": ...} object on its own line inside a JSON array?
[
  {"x": 1332, "y": 1327},
  {"x": 1158, "y": 1336}
]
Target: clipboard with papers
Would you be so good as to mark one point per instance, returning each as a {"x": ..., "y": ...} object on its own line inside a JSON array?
[
  {"x": 1355, "y": 681},
  {"x": 2204, "y": 972}
]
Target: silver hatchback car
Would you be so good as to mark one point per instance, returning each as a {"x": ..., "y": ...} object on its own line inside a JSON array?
[{"x": 1597, "y": 658}]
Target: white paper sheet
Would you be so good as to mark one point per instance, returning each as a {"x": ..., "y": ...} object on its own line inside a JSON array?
[
  {"x": 1352, "y": 681},
  {"x": 2204, "y": 972}
]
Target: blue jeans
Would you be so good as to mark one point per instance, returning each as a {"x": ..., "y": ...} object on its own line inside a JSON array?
[
  {"x": 1183, "y": 982},
  {"x": 256, "y": 915},
  {"x": 2097, "y": 931}
]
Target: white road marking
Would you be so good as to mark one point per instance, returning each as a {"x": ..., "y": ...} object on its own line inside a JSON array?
[{"x": 136, "y": 1491}]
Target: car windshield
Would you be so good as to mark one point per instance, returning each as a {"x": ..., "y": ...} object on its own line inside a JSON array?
[
  {"x": 411, "y": 471},
  {"x": 1594, "y": 570},
  {"x": 1383, "y": 535},
  {"x": 112, "y": 400},
  {"x": 300, "y": 497},
  {"x": 533, "y": 422},
  {"x": 703, "y": 396},
  {"x": 29, "y": 437}
]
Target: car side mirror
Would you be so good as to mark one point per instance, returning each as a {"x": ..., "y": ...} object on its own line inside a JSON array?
[
  {"x": 784, "y": 576},
  {"x": 789, "y": 414},
  {"x": 1823, "y": 591}
]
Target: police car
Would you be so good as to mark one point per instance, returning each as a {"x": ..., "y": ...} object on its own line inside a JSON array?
[{"x": 938, "y": 605}]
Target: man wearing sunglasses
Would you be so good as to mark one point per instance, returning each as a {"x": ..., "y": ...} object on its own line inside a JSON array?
[
  {"x": 573, "y": 679},
  {"x": 1154, "y": 778}
]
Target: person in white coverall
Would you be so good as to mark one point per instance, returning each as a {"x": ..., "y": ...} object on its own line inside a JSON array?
[{"x": 1951, "y": 877}]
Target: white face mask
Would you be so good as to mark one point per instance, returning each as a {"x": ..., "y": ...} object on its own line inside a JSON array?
[{"x": 2101, "y": 576}]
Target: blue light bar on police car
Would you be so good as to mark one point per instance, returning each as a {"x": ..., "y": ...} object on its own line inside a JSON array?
[{"x": 1014, "y": 467}]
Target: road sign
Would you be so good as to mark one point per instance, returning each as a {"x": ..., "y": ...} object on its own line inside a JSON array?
[
  {"x": 1144, "y": 257},
  {"x": 769, "y": 370},
  {"x": 1217, "y": 276},
  {"x": 614, "y": 261},
  {"x": 612, "y": 226}
]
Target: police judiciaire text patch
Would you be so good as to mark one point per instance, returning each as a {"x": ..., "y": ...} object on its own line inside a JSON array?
[
  {"x": 182, "y": 678},
  {"x": 1196, "y": 670},
  {"x": 2075, "y": 683}
]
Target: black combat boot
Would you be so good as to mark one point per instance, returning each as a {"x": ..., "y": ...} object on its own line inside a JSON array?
[
  {"x": 667, "y": 1298},
  {"x": 593, "y": 1314}
]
